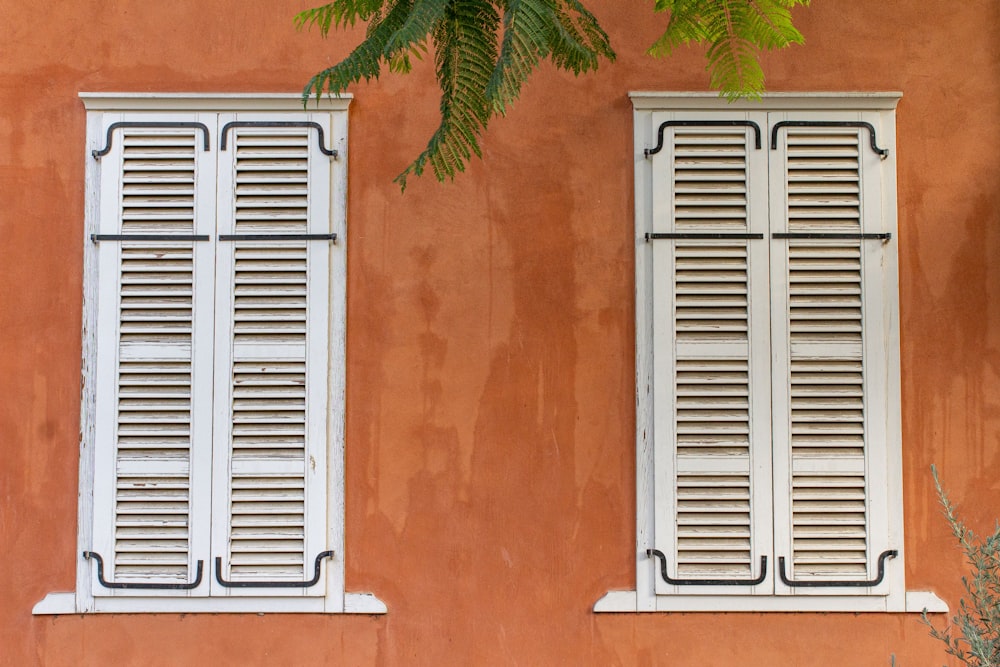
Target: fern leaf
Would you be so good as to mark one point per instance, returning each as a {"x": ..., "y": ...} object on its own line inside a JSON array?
[
  {"x": 770, "y": 21},
  {"x": 466, "y": 46},
  {"x": 524, "y": 44},
  {"x": 562, "y": 30},
  {"x": 683, "y": 27},
  {"x": 337, "y": 14},
  {"x": 422, "y": 17},
  {"x": 736, "y": 31},
  {"x": 589, "y": 29},
  {"x": 579, "y": 40},
  {"x": 732, "y": 57},
  {"x": 365, "y": 62}
]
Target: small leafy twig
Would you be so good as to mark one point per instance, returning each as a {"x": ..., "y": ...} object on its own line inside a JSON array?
[{"x": 973, "y": 635}]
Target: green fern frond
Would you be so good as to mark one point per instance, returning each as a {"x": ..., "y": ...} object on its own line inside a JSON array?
[
  {"x": 736, "y": 31},
  {"x": 485, "y": 50},
  {"x": 734, "y": 68},
  {"x": 579, "y": 41},
  {"x": 562, "y": 30},
  {"x": 683, "y": 27},
  {"x": 420, "y": 22},
  {"x": 732, "y": 56},
  {"x": 365, "y": 62},
  {"x": 478, "y": 77},
  {"x": 466, "y": 46},
  {"x": 341, "y": 13},
  {"x": 770, "y": 21},
  {"x": 591, "y": 31},
  {"x": 321, "y": 16},
  {"x": 525, "y": 43},
  {"x": 977, "y": 643}
]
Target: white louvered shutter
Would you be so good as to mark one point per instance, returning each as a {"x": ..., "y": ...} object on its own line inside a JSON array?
[
  {"x": 710, "y": 313},
  {"x": 830, "y": 363},
  {"x": 272, "y": 338},
  {"x": 153, "y": 383}
]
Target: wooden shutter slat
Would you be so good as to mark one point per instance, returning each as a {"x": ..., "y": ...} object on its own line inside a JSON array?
[
  {"x": 271, "y": 182},
  {"x": 153, "y": 501},
  {"x": 821, "y": 177}
]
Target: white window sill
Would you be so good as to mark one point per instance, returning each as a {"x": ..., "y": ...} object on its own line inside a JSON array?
[
  {"x": 628, "y": 601},
  {"x": 66, "y": 603}
]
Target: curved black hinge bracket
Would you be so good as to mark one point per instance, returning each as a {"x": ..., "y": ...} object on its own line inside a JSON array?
[
  {"x": 98, "y": 154},
  {"x": 271, "y": 584},
  {"x": 277, "y": 123},
  {"x": 707, "y": 582},
  {"x": 701, "y": 123},
  {"x": 882, "y": 152},
  {"x": 889, "y": 553},
  {"x": 141, "y": 586}
]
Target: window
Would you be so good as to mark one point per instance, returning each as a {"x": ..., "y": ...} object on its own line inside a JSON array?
[
  {"x": 767, "y": 364},
  {"x": 212, "y": 420}
]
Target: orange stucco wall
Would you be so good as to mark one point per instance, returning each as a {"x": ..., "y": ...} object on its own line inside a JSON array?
[{"x": 490, "y": 415}]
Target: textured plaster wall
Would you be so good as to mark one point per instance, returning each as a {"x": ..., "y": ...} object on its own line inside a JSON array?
[{"x": 490, "y": 409}]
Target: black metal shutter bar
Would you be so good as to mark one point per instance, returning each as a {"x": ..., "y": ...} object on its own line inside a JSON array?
[
  {"x": 204, "y": 237},
  {"x": 707, "y": 582},
  {"x": 883, "y": 152},
  {"x": 276, "y": 123},
  {"x": 148, "y": 237},
  {"x": 701, "y": 123},
  {"x": 653, "y": 236},
  {"x": 98, "y": 154},
  {"x": 139, "y": 586},
  {"x": 271, "y": 584},
  {"x": 277, "y": 237},
  {"x": 831, "y": 235},
  {"x": 889, "y": 553}
]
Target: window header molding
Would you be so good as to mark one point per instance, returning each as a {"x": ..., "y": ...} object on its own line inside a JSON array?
[
  {"x": 852, "y": 101},
  {"x": 211, "y": 102}
]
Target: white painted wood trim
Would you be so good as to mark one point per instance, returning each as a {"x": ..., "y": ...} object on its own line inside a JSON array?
[
  {"x": 645, "y": 599},
  {"x": 353, "y": 603},
  {"x": 625, "y": 602},
  {"x": 55, "y": 603},
  {"x": 88, "y": 390},
  {"x": 337, "y": 360},
  {"x": 830, "y": 101},
  {"x": 920, "y": 601},
  {"x": 363, "y": 603},
  {"x": 211, "y": 102},
  {"x": 616, "y": 601},
  {"x": 893, "y": 418}
]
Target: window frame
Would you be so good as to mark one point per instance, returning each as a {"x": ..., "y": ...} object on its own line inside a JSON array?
[
  {"x": 103, "y": 109},
  {"x": 646, "y": 106}
]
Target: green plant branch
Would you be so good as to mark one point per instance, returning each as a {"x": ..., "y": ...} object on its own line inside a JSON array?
[
  {"x": 978, "y": 615},
  {"x": 486, "y": 50}
]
